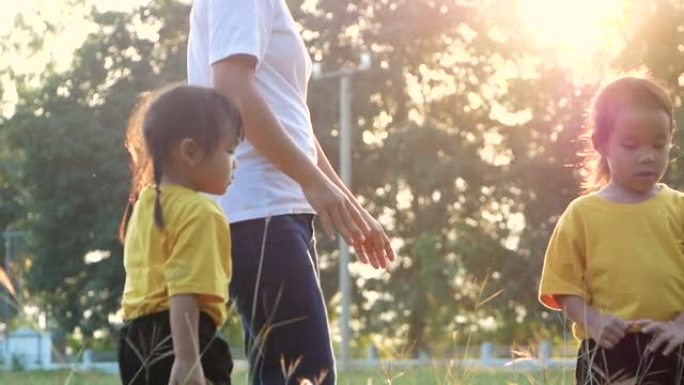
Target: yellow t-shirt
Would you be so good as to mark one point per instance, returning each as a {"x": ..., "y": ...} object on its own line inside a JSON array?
[
  {"x": 191, "y": 255},
  {"x": 626, "y": 260}
]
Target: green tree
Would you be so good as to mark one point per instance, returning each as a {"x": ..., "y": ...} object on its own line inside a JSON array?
[
  {"x": 68, "y": 138},
  {"x": 468, "y": 135},
  {"x": 658, "y": 45}
]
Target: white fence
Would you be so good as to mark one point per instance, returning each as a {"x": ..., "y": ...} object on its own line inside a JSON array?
[
  {"x": 31, "y": 350},
  {"x": 27, "y": 349}
]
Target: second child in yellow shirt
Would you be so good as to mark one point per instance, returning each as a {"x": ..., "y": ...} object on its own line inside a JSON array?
[
  {"x": 177, "y": 241},
  {"x": 615, "y": 262}
]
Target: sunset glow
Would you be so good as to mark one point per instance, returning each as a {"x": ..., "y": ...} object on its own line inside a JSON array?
[{"x": 575, "y": 31}]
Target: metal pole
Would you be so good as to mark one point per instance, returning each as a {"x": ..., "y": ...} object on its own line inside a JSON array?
[
  {"x": 6, "y": 264},
  {"x": 345, "y": 175}
]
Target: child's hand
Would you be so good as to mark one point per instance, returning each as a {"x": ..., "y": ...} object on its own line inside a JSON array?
[
  {"x": 186, "y": 373},
  {"x": 668, "y": 333},
  {"x": 607, "y": 330}
]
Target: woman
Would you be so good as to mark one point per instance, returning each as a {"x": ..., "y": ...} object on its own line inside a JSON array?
[{"x": 252, "y": 53}]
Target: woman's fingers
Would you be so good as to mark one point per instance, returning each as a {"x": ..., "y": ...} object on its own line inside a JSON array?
[
  {"x": 361, "y": 254},
  {"x": 379, "y": 250},
  {"x": 339, "y": 224},
  {"x": 356, "y": 226},
  {"x": 379, "y": 243},
  {"x": 336, "y": 212},
  {"x": 374, "y": 248},
  {"x": 375, "y": 257},
  {"x": 359, "y": 230},
  {"x": 385, "y": 248},
  {"x": 389, "y": 251},
  {"x": 358, "y": 218}
]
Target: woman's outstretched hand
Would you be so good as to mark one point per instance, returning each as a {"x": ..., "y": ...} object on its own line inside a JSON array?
[
  {"x": 338, "y": 213},
  {"x": 376, "y": 250}
]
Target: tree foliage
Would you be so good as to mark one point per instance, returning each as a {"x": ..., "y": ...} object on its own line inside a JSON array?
[{"x": 466, "y": 137}]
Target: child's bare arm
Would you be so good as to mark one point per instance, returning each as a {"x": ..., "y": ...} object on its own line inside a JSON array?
[
  {"x": 606, "y": 330},
  {"x": 184, "y": 313}
]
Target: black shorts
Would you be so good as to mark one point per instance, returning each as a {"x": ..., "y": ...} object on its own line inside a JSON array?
[
  {"x": 628, "y": 360},
  {"x": 146, "y": 351}
]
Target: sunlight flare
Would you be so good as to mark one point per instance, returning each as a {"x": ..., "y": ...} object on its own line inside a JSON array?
[{"x": 575, "y": 31}]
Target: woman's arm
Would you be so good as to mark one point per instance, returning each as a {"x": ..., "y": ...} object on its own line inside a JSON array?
[
  {"x": 184, "y": 317},
  {"x": 234, "y": 77}
]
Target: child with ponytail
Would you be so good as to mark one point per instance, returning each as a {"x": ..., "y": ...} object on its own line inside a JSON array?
[{"x": 177, "y": 240}]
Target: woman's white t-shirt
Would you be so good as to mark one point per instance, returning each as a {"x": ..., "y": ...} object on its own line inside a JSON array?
[{"x": 265, "y": 30}]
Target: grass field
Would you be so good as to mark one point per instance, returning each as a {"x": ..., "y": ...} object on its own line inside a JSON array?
[{"x": 421, "y": 376}]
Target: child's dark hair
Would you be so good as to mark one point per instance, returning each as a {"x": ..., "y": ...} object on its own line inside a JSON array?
[
  {"x": 164, "y": 118},
  {"x": 624, "y": 93}
]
